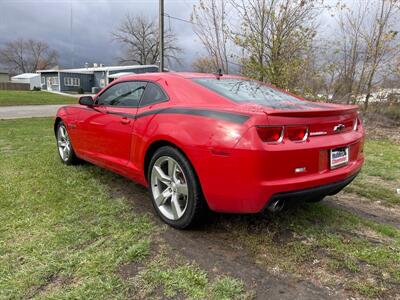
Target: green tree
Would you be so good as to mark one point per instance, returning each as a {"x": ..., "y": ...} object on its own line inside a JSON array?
[{"x": 276, "y": 36}]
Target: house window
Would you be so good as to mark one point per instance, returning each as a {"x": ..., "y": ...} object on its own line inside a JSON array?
[
  {"x": 71, "y": 81},
  {"x": 43, "y": 80},
  {"x": 53, "y": 80}
]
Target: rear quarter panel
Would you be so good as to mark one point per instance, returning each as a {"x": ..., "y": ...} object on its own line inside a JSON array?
[{"x": 202, "y": 140}]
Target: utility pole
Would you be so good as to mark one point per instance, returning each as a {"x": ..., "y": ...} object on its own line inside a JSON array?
[
  {"x": 161, "y": 34},
  {"x": 72, "y": 38}
]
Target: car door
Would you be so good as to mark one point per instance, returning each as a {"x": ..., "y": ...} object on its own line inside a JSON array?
[
  {"x": 106, "y": 130},
  {"x": 154, "y": 99}
]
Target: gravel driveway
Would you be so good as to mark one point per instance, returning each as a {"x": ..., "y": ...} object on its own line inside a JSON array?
[{"x": 28, "y": 111}]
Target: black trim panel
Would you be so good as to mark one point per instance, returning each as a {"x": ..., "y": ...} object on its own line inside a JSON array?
[
  {"x": 150, "y": 112},
  {"x": 315, "y": 192},
  {"x": 215, "y": 114}
]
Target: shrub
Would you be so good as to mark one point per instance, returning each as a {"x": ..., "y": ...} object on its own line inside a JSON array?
[
  {"x": 36, "y": 89},
  {"x": 81, "y": 91},
  {"x": 387, "y": 112}
]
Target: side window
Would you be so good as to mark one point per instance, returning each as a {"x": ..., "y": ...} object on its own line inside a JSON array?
[
  {"x": 153, "y": 94},
  {"x": 126, "y": 94}
]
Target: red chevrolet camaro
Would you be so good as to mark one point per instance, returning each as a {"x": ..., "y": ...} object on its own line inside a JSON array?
[{"x": 201, "y": 141}]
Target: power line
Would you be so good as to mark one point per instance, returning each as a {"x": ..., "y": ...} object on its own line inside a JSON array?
[
  {"x": 231, "y": 62},
  {"x": 240, "y": 34},
  {"x": 194, "y": 23},
  {"x": 179, "y": 19}
]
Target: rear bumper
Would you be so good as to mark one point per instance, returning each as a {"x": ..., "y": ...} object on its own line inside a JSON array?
[
  {"x": 305, "y": 187},
  {"x": 247, "y": 180},
  {"x": 314, "y": 192},
  {"x": 249, "y": 194}
]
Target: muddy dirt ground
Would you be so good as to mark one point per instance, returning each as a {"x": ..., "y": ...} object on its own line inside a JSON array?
[{"x": 214, "y": 249}]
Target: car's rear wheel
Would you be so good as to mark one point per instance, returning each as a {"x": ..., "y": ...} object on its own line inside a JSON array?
[
  {"x": 175, "y": 189},
  {"x": 65, "y": 149}
]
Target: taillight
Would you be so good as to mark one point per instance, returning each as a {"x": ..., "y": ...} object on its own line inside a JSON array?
[
  {"x": 297, "y": 133},
  {"x": 356, "y": 123},
  {"x": 270, "y": 134}
]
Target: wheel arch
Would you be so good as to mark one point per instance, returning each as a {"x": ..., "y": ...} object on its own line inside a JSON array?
[
  {"x": 56, "y": 122},
  {"x": 161, "y": 143},
  {"x": 153, "y": 147}
]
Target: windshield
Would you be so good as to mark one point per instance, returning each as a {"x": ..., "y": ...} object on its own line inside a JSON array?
[{"x": 250, "y": 91}]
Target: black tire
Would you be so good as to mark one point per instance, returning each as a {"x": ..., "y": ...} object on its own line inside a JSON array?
[
  {"x": 71, "y": 159},
  {"x": 195, "y": 207}
]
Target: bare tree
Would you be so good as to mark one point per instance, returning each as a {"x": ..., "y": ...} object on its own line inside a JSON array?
[
  {"x": 330, "y": 68},
  {"x": 366, "y": 48},
  {"x": 352, "y": 52},
  {"x": 255, "y": 16},
  {"x": 379, "y": 41},
  {"x": 27, "y": 56},
  {"x": 139, "y": 36},
  {"x": 211, "y": 28}
]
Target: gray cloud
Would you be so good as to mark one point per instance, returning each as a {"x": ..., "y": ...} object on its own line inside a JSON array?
[{"x": 89, "y": 39}]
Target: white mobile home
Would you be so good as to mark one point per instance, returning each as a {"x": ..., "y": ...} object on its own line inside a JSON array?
[{"x": 32, "y": 78}]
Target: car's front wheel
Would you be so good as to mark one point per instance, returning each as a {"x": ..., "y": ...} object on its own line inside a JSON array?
[
  {"x": 175, "y": 189},
  {"x": 65, "y": 149}
]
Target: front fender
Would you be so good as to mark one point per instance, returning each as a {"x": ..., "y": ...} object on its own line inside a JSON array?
[
  {"x": 62, "y": 114},
  {"x": 69, "y": 115}
]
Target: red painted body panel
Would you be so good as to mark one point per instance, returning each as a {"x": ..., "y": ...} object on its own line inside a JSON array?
[{"x": 237, "y": 171}]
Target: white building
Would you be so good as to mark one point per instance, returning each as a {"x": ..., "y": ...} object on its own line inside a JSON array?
[
  {"x": 32, "y": 78},
  {"x": 98, "y": 76}
]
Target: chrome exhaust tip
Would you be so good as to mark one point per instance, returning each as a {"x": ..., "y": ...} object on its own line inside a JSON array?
[{"x": 276, "y": 206}]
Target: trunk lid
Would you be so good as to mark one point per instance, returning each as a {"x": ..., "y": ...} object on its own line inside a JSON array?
[{"x": 323, "y": 120}]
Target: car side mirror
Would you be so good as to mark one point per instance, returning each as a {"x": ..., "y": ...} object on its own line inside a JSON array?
[{"x": 86, "y": 100}]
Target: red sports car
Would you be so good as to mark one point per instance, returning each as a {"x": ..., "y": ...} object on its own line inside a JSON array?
[{"x": 201, "y": 141}]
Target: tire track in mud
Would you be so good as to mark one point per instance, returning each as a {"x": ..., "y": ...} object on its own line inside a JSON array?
[
  {"x": 214, "y": 250},
  {"x": 365, "y": 208}
]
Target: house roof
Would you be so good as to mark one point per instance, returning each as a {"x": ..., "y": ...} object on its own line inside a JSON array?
[
  {"x": 119, "y": 74},
  {"x": 25, "y": 76},
  {"x": 91, "y": 70}
]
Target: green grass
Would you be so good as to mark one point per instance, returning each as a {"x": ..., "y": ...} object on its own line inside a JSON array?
[
  {"x": 63, "y": 236},
  {"x": 32, "y": 98},
  {"x": 382, "y": 159},
  {"x": 380, "y": 176},
  {"x": 185, "y": 279}
]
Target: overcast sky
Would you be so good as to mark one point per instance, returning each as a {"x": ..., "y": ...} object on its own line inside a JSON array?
[{"x": 90, "y": 39}]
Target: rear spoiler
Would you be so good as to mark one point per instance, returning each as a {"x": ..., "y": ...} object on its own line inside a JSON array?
[{"x": 312, "y": 113}]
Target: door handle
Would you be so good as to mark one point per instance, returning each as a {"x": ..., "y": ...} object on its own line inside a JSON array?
[{"x": 125, "y": 120}]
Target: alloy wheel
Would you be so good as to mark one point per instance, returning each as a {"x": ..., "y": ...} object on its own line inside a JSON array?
[
  {"x": 169, "y": 187},
  {"x": 63, "y": 143}
]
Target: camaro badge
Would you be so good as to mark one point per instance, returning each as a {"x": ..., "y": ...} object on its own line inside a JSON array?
[{"x": 338, "y": 128}]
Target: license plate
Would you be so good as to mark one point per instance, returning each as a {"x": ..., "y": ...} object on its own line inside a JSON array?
[{"x": 339, "y": 157}]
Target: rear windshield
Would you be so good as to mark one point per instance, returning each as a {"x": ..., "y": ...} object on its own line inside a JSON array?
[{"x": 250, "y": 91}]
